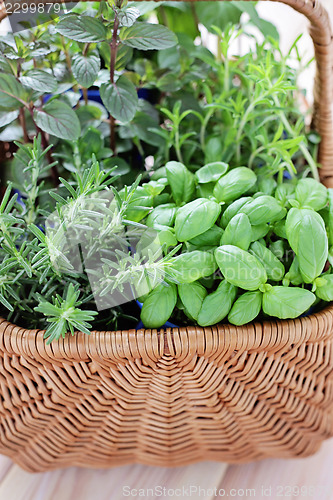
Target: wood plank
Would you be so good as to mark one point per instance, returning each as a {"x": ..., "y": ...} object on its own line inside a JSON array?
[
  {"x": 303, "y": 478},
  {"x": 112, "y": 484}
]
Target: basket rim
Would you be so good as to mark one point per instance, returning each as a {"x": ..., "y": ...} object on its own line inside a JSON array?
[{"x": 183, "y": 342}]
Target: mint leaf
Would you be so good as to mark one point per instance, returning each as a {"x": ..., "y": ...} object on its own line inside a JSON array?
[
  {"x": 85, "y": 69},
  {"x": 146, "y": 36},
  {"x": 82, "y": 28},
  {"x": 120, "y": 99},
  {"x": 58, "y": 119},
  {"x": 39, "y": 80}
]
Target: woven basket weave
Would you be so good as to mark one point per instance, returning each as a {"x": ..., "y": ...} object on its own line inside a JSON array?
[{"x": 183, "y": 395}]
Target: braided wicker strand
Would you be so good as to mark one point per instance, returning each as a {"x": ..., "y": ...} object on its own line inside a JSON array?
[{"x": 167, "y": 398}]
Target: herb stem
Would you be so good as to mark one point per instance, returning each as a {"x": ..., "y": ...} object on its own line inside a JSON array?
[
  {"x": 113, "y": 58},
  {"x": 302, "y": 146}
]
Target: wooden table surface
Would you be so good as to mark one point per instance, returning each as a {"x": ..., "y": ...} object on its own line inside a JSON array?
[{"x": 309, "y": 478}]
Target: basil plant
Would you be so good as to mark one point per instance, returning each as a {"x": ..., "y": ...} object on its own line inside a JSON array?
[{"x": 247, "y": 249}]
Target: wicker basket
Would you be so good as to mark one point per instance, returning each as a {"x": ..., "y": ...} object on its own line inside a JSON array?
[{"x": 183, "y": 395}]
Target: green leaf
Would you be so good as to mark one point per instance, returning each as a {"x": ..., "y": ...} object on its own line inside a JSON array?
[
  {"x": 192, "y": 266},
  {"x": 246, "y": 308},
  {"x": 238, "y": 232},
  {"x": 264, "y": 209},
  {"x": 234, "y": 184},
  {"x": 240, "y": 268},
  {"x": 196, "y": 218},
  {"x": 217, "y": 14},
  {"x": 216, "y": 305},
  {"x": 120, "y": 99},
  {"x": 39, "y": 80},
  {"x": 181, "y": 181},
  {"x": 211, "y": 172},
  {"x": 233, "y": 209},
  {"x": 145, "y": 36},
  {"x": 307, "y": 237},
  {"x": 58, "y": 119},
  {"x": 85, "y": 69},
  {"x": 7, "y": 117},
  {"x": 82, "y": 28},
  {"x": 12, "y": 93},
  {"x": 163, "y": 215},
  {"x": 211, "y": 237},
  {"x": 311, "y": 194},
  {"x": 274, "y": 268},
  {"x": 192, "y": 296},
  {"x": 127, "y": 17},
  {"x": 284, "y": 302},
  {"x": 158, "y": 306},
  {"x": 325, "y": 291}
]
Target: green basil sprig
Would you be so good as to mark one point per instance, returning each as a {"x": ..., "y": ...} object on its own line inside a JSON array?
[
  {"x": 234, "y": 184},
  {"x": 159, "y": 305},
  {"x": 307, "y": 237},
  {"x": 240, "y": 268},
  {"x": 287, "y": 302},
  {"x": 246, "y": 308},
  {"x": 238, "y": 232},
  {"x": 196, "y": 218},
  {"x": 216, "y": 305}
]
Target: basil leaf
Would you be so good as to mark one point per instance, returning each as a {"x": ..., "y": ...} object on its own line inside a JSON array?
[
  {"x": 311, "y": 194},
  {"x": 284, "y": 193},
  {"x": 234, "y": 184},
  {"x": 259, "y": 231},
  {"x": 196, "y": 218},
  {"x": 284, "y": 302},
  {"x": 158, "y": 306},
  {"x": 240, "y": 268},
  {"x": 146, "y": 36},
  {"x": 274, "y": 268},
  {"x": 330, "y": 216},
  {"x": 82, "y": 28},
  {"x": 238, "y": 232},
  {"x": 39, "y": 80},
  {"x": 278, "y": 249},
  {"x": 280, "y": 229},
  {"x": 307, "y": 237},
  {"x": 192, "y": 266},
  {"x": 233, "y": 209},
  {"x": 211, "y": 172},
  {"x": 181, "y": 181},
  {"x": 120, "y": 99},
  {"x": 205, "y": 190},
  {"x": 211, "y": 237},
  {"x": 140, "y": 198},
  {"x": 163, "y": 215},
  {"x": 245, "y": 309},
  {"x": 325, "y": 291},
  {"x": 216, "y": 305},
  {"x": 85, "y": 69},
  {"x": 192, "y": 296},
  {"x": 293, "y": 276},
  {"x": 58, "y": 119},
  {"x": 264, "y": 209}
]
